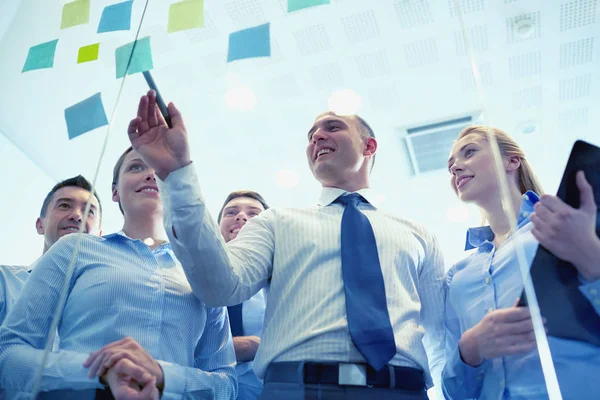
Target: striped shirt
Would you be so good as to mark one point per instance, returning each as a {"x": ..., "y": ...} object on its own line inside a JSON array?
[
  {"x": 253, "y": 316},
  {"x": 12, "y": 280},
  {"x": 120, "y": 287},
  {"x": 296, "y": 255}
]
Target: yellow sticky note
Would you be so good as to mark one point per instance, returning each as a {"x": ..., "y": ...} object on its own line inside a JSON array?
[
  {"x": 88, "y": 53},
  {"x": 75, "y": 13},
  {"x": 187, "y": 14}
]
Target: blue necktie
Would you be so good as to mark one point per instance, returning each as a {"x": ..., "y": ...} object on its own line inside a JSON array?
[
  {"x": 366, "y": 306},
  {"x": 235, "y": 320}
]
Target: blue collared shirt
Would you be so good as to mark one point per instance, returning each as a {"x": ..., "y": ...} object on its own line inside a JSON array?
[
  {"x": 253, "y": 315},
  {"x": 12, "y": 280},
  {"x": 119, "y": 287},
  {"x": 490, "y": 279}
]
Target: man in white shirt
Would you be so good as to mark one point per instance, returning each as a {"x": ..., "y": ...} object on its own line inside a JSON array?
[{"x": 308, "y": 348}]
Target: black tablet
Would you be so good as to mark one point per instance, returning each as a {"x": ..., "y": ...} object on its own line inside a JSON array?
[{"x": 568, "y": 312}]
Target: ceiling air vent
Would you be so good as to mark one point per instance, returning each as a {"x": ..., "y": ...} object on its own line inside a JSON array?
[{"x": 428, "y": 145}]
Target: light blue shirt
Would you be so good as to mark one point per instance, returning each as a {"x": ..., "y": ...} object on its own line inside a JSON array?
[
  {"x": 296, "y": 255},
  {"x": 120, "y": 287},
  {"x": 253, "y": 315},
  {"x": 490, "y": 279},
  {"x": 12, "y": 280}
]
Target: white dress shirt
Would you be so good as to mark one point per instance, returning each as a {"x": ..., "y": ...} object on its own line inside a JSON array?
[{"x": 296, "y": 254}]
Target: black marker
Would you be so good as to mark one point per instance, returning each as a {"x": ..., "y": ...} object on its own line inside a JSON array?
[{"x": 159, "y": 100}]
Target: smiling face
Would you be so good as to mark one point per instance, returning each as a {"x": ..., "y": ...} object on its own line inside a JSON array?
[
  {"x": 472, "y": 171},
  {"x": 64, "y": 215},
  {"x": 136, "y": 190},
  {"x": 235, "y": 215},
  {"x": 338, "y": 152}
]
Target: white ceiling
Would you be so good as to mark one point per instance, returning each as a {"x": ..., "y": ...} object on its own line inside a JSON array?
[{"x": 406, "y": 59}]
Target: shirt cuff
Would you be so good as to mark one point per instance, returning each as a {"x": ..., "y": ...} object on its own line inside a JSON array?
[
  {"x": 591, "y": 290},
  {"x": 174, "y": 380},
  {"x": 181, "y": 186},
  {"x": 469, "y": 378}
]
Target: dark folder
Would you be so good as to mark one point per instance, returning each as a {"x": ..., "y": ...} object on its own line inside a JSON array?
[{"x": 568, "y": 312}]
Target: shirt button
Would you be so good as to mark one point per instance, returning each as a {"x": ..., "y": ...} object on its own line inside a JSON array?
[
  {"x": 487, "y": 280},
  {"x": 593, "y": 292},
  {"x": 526, "y": 197},
  {"x": 597, "y": 302},
  {"x": 490, "y": 309},
  {"x": 525, "y": 214},
  {"x": 501, "y": 382}
]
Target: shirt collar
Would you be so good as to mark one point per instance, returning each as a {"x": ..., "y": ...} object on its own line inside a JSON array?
[
  {"x": 122, "y": 234},
  {"x": 482, "y": 234},
  {"x": 329, "y": 194}
]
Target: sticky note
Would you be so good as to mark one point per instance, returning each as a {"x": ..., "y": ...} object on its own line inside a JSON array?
[
  {"x": 88, "y": 53},
  {"x": 186, "y": 14},
  {"x": 85, "y": 116},
  {"x": 140, "y": 61},
  {"x": 75, "y": 13},
  {"x": 249, "y": 43},
  {"x": 40, "y": 56},
  {"x": 295, "y": 5},
  {"x": 116, "y": 17}
]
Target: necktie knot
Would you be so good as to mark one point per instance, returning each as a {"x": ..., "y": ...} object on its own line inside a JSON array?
[{"x": 353, "y": 199}]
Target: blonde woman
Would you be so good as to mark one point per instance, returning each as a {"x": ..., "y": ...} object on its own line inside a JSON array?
[{"x": 491, "y": 349}]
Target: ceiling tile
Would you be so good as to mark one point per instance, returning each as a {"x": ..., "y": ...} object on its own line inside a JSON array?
[
  {"x": 525, "y": 65},
  {"x": 360, "y": 27},
  {"x": 575, "y": 88},
  {"x": 577, "y": 52},
  {"x": 466, "y": 6},
  {"x": 574, "y": 14},
  {"x": 413, "y": 13},
  {"x": 478, "y": 40},
  {"x": 312, "y": 39},
  {"x": 372, "y": 65},
  {"x": 422, "y": 52}
]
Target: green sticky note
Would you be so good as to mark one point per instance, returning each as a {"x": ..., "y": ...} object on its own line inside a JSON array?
[
  {"x": 140, "y": 61},
  {"x": 75, "y": 13},
  {"x": 40, "y": 56},
  {"x": 295, "y": 5},
  {"x": 88, "y": 53},
  {"x": 186, "y": 14}
]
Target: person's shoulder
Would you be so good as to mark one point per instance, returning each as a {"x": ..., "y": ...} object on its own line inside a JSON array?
[
  {"x": 14, "y": 268},
  {"x": 19, "y": 271},
  {"x": 67, "y": 244}
]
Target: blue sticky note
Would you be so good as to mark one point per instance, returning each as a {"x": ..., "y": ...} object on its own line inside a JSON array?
[
  {"x": 116, "y": 17},
  {"x": 85, "y": 116},
  {"x": 249, "y": 43},
  {"x": 40, "y": 56},
  {"x": 140, "y": 61}
]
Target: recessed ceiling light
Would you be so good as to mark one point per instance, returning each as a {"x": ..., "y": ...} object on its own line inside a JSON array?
[
  {"x": 344, "y": 102},
  {"x": 523, "y": 26}
]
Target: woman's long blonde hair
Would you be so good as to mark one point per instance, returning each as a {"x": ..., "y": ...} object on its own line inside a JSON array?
[{"x": 508, "y": 147}]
